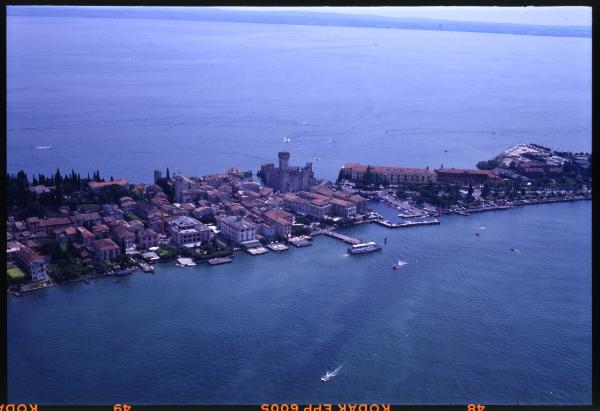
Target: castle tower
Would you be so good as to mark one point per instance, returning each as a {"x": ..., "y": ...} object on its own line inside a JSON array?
[
  {"x": 284, "y": 158},
  {"x": 157, "y": 176},
  {"x": 178, "y": 186}
]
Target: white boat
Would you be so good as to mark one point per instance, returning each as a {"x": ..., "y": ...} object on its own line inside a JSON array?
[
  {"x": 186, "y": 262},
  {"x": 398, "y": 264},
  {"x": 364, "y": 248},
  {"x": 330, "y": 374}
]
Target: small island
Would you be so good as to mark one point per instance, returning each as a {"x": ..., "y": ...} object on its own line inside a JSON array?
[{"x": 64, "y": 228}]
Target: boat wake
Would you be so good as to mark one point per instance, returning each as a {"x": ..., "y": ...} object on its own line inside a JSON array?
[
  {"x": 482, "y": 228},
  {"x": 399, "y": 264},
  {"x": 43, "y": 147}
]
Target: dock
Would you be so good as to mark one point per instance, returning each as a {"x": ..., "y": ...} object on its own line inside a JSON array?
[
  {"x": 147, "y": 268},
  {"x": 185, "y": 262},
  {"x": 302, "y": 241},
  {"x": 256, "y": 250},
  {"x": 387, "y": 224},
  {"x": 222, "y": 260},
  {"x": 391, "y": 201},
  {"x": 345, "y": 238},
  {"x": 278, "y": 247}
]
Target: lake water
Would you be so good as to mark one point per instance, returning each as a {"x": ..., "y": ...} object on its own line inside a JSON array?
[
  {"x": 465, "y": 320},
  {"x": 127, "y": 96}
]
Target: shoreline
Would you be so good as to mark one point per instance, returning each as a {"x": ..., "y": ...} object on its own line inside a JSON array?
[{"x": 86, "y": 279}]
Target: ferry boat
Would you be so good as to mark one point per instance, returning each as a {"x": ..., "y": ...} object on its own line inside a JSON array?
[{"x": 364, "y": 248}]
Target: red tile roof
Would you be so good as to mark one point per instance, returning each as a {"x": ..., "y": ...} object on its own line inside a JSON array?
[
  {"x": 28, "y": 255},
  {"x": 55, "y": 221},
  {"x": 96, "y": 185},
  {"x": 462, "y": 171},
  {"x": 105, "y": 244}
]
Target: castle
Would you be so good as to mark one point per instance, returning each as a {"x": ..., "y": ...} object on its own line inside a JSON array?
[{"x": 285, "y": 178}]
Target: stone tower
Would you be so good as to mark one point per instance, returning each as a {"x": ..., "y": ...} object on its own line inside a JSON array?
[
  {"x": 157, "y": 176},
  {"x": 284, "y": 158}
]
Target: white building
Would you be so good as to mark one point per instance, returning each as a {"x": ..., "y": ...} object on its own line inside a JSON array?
[
  {"x": 237, "y": 229},
  {"x": 188, "y": 231}
]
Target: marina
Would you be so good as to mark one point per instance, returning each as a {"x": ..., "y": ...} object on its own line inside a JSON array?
[
  {"x": 256, "y": 250},
  {"x": 302, "y": 241}
]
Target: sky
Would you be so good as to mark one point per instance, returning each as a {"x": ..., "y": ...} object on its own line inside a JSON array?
[{"x": 553, "y": 16}]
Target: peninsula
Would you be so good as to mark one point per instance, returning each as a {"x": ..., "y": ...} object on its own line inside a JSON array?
[{"x": 64, "y": 228}]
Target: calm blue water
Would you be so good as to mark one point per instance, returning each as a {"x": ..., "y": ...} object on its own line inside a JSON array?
[
  {"x": 130, "y": 95},
  {"x": 465, "y": 320}
]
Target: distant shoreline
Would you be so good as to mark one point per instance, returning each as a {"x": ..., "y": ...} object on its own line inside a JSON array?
[{"x": 301, "y": 19}]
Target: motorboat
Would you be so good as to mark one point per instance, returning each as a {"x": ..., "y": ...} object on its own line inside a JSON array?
[
  {"x": 398, "y": 264},
  {"x": 328, "y": 375}
]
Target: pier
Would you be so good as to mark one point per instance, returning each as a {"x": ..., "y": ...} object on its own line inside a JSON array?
[
  {"x": 387, "y": 224},
  {"x": 345, "y": 238}
]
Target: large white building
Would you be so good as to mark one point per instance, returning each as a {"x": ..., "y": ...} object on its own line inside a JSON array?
[
  {"x": 188, "y": 231},
  {"x": 237, "y": 229}
]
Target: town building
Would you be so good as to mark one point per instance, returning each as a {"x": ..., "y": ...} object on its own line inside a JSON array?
[
  {"x": 342, "y": 208},
  {"x": 148, "y": 238},
  {"x": 33, "y": 224},
  {"x": 285, "y": 178},
  {"x": 87, "y": 219},
  {"x": 237, "y": 229},
  {"x": 538, "y": 169},
  {"x": 85, "y": 237},
  {"x": 465, "y": 176},
  {"x": 100, "y": 231},
  {"x": 31, "y": 262},
  {"x": 281, "y": 221},
  {"x": 388, "y": 175},
  {"x": 316, "y": 208},
  {"x": 182, "y": 183},
  {"x": 105, "y": 250},
  {"x": 50, "y": 224},
  {"x": 187, "y": 231}
]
